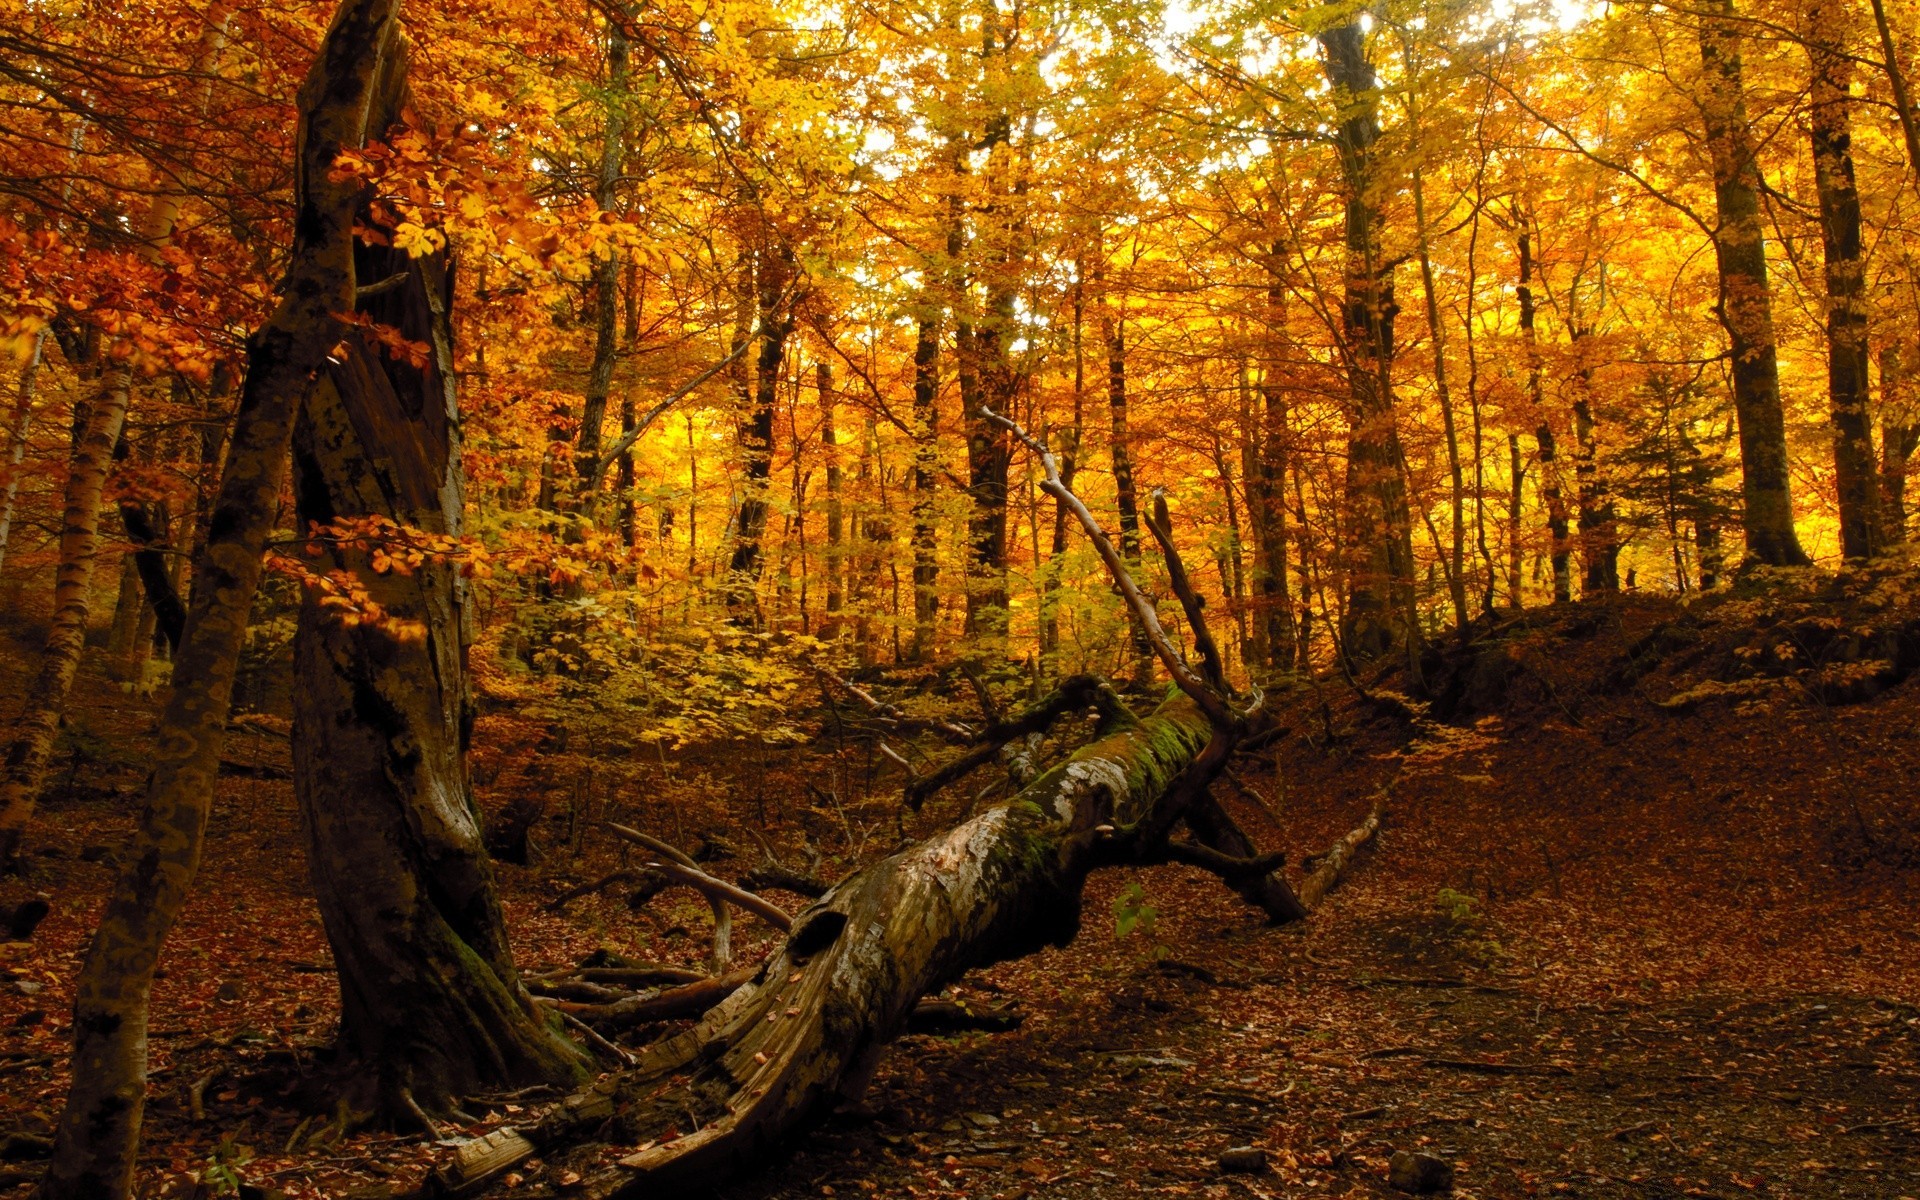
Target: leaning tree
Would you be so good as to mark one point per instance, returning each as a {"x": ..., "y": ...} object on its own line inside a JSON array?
[{"x": 806, "y": 1030}]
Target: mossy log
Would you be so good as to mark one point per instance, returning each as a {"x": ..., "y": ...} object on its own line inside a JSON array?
[{"x": 808, "y": 1030}]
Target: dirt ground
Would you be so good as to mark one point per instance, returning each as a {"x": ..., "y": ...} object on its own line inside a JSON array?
[{"x": 1602, "y": 948}]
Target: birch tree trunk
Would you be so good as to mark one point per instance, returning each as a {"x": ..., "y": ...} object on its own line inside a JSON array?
[
  {"x": 18, "y": 429},
  {"x": 24, "y": 764}
]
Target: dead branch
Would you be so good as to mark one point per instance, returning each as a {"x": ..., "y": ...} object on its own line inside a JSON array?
[
  {"x": 1161, "y": 525},
  {"x": 667, "y": 1004},
  {"x": 1215, "y": 828},
  {"x": 893, "y": 717},
  {"x": 1226, "y": 866},
  {"x": 719, "y": 891},
  {"x": 1213, "y": 703},
  {"x": 773, "y": 875},
  {"x": 587, "y": 889},
  {"x": 647, "y": 976},
  {"x": 948, "y": 1016}
]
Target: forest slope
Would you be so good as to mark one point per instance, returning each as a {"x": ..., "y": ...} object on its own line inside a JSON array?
[{"x": 1640, "y": 924}]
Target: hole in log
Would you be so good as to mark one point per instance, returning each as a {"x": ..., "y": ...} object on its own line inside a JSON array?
[{"x": 815, "y": 933}]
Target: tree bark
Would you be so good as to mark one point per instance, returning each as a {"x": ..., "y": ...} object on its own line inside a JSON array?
[
  {"x": 1266, "y": 490},
  {"x": 774, "y": 272},
  {"x": 1069, "y": 451},
  {"x": 1552, "y": 488},
  {"x": 606, "y": 272},
  {"x": 18, "y": 428},
  {"x": 1899, "y": 438},
  {"x": 926, "y": 435},
  {"x": 1745, "y": 307},
  {"x": 24, "y": 764},
  {"x": 1862, "y": 532},
  {"x": 1126, "y": 500},
  {"x": 431, "y": 1006},
  {"x": 353, "y": 88},
  {"x": 1380, "y": 616},
  {"x": 836, "y": 516}
]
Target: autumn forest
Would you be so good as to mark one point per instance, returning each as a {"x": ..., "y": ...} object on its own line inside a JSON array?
[{"x": 992, "y": 598}]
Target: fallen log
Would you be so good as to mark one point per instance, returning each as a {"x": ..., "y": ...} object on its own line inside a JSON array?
[
  {"x": 1334, "y": 863},
  {"x": 949, "y": 1016},
  {"x": 808, "y": 1029}
]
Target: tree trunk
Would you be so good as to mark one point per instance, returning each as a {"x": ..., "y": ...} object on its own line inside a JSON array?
[
  {"x": 1516, "y": 498},
  {"x": 1552, "y": 489},
  {"x": 23, "y": 767},
  {"x": 1266, "y": 489},
  {"x": 1380, "y": 617},
  {"x": 1745, "y": 307},
  {"x": 926, "y": 435},
  {"x": 774, "y": 272},
  {"x": 1457, "y": 555},
  {"x": 1069, "y": 451},
  {"x": 17, "y": 430},
  {"x": 1862, "y": 534},
  {"x": 1899, "y": 438},
  {"x": 1125, "y": 498},
  {"x": 836, "y": 516},
  {"x": 354, "y": 86},
  {"x": 606, "y": 271},
  {"x": 431, "y": 1006},
  {"x": 1599, "y": 524}
]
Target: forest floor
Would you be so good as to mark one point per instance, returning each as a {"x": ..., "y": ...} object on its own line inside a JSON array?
[{"x": 1641, "y": 923}]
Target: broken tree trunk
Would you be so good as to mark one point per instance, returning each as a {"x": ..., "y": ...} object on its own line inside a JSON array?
[{"x": 431, "y": 1006}]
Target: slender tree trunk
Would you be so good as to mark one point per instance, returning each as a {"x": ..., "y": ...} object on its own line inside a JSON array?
[
  {"x": 836, "y": 515},
  {"x": 1516, "y": 495},
  {"x": 1260, "y": 652},
  {"x": 1267, "y": 484},
  {"x": 23, "y": 767},
  {"x": 1457, "y": 568},
  {"x": 606, "y": 271},
  {"x": 17, "y": 431},
  {"x": 1113, "y": 334},
  {"x": 774, "y": 273},
  {"x": 354, "y": 86},
  {"x": 1552, "y": 487},
  {"x": 1067, "y": 449},
  {"x": 431, "y": 1006},
  {"x": 1380, "y": 614},
  {"x": 1897, "y": 77},
  {"x": 1862, "y": 533},
  {"x": 1599, "y": 523},
  {"x": 926, "y": 434},
  {"x": 1746, "y": 299},
  {"x": 1899, "y": 438}
]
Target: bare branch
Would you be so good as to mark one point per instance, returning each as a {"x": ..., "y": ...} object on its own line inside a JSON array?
[
  {"x": 627, "y": 439},
  {"x": 1161, "y": 524},
  {"x": 1211, "y": 702}
]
